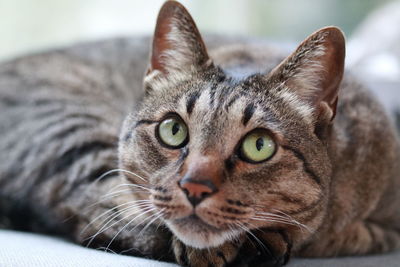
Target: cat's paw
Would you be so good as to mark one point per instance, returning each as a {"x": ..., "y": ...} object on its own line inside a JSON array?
[
  {"x": 216, "y": 257},
  {"x": 267, "y": 249}
]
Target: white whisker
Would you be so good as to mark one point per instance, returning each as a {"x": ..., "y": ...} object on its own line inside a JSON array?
[
  {"x": 283, "y": 218},
  {"x": 283, "y": 221},
  {"x": 105, "y": 227},
  {"x": 107, "y": 250},
  {"x": 126, "y": 225},
  {"x": 92, "y": 185},
  {"x": 132, "y": 185},
  {"x": 119, "y": 211},
  {"x": 132, "y": 173},
  {"x": 247, "y": 230},
  {"x": 117, "y": 193},
  {"x": 159, "y": 214}
]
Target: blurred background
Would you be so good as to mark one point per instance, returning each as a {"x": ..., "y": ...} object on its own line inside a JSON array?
[
  {"x": 371, "y": 26},
  {"x": 30, "y": 25}
]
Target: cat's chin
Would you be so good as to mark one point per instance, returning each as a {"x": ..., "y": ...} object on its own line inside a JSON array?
[{"x": 193, "y": 232}]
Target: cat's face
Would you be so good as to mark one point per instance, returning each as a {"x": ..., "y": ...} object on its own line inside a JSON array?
[{"x": 224, "y": 156}]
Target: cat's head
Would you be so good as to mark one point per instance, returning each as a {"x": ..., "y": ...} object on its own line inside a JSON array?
[{"x": 223, "y": 156}]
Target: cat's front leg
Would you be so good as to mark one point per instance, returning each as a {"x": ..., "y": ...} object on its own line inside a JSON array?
[
  {"x": 220, "y": 256},
  {"x": 106, "y": 216},
  {"x": 264, "y": 248},
  {"x": 268, "y": 248}
]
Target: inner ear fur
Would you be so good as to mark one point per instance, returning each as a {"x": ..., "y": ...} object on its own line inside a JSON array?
[
  {"x": 177, "y": 44},
  {"x": 315, "y": 69}
]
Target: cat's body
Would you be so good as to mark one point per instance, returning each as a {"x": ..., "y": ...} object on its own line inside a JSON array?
[{"x": 62, "y": 114}]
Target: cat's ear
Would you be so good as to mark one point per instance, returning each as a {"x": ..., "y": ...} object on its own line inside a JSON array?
[
  {"x": 314, "y": 71},
  {"x": 177, "y": 44}
]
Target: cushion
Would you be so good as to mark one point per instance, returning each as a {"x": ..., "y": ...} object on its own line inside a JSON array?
[{"x": 18, "y": 249}]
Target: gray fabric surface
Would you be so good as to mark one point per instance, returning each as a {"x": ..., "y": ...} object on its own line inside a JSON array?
[{"x": 31, "y": 250}]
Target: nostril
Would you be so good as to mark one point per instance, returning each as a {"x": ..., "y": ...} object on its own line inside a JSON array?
[
  {"x": 197, "y": 190},
  {"x": 185, "y": 191},
  {"x": 205, "y": 194}
]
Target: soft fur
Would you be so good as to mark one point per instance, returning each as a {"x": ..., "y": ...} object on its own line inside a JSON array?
[{"x": 329, "y": 190}]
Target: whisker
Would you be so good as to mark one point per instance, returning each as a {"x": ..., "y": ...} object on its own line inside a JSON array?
[
  {"x": 108, "y": 173},
  {"x": 160, "y": 213},
  {"x": 159, "y": 224},
  {"x": 141, "y": 186},
  {"x": 105, "y": 227},
  {"x": 127, "y": 224},
  {"x": 119, "y": 211},
  {"x": 284, "y": 216},
  {"x": 107, "y": 250},
  {"x": 116, "y": 193},
  {"x": 288, "y": 222},
  {"x": 247, "y": 230},
  {"x": 108, "y": 196},
  {"x": 132, "y": 173},
  {"x": 272, "y": 214},
  {"x": 128, "y": 250},
  {"x": 121, "y": 193}
]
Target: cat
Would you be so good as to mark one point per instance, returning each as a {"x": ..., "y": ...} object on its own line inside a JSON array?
[{"x": 232, "y": 156}]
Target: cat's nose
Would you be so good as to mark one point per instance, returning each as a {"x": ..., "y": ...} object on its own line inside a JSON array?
[{"x": 197, "y": 190}]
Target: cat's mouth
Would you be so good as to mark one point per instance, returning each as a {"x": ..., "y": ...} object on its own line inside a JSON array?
[
  {"x": 195, "y": 232},
  {"x": 197, "y": 223}
]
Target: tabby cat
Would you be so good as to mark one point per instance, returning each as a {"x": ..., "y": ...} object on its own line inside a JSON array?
[{"x": 236, "y": 156}]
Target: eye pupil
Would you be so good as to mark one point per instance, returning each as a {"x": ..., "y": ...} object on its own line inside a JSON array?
[
  {"x": 172, "y": 132},
  {"x": 259, "y": 143},
  {"x": 175, "y": 128},
  {"x": 257, "y": 146}
]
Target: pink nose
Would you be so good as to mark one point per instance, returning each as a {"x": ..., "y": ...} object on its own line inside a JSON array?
[{"x": 197, "y": 190}]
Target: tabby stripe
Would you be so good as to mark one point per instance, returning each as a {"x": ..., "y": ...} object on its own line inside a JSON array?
[
  {"x": 46, "y": 111},
  {"x": 231, "y": 101},
  {"x": 138, "y": 123},
  {"x": 128, "y": 135},
  {"x": 9, "y": 101},
  {"x": 71, "y": 130},
  {"x": 191, "y": 101},
  {"x": 230, "y": 163},
  {"x": 306, "y": 166},
  {"x": 65, "y": 118},
  {"x": 91, "y": 177},
  {"x": 161, "y": 198},
  {"x": 248, "y": 113},
  {"x": 287, "y": 198},
  {"x": 60, "y": 133},
  {"x": 72, "y": 155},
  {"x": 213, "y": 90}
]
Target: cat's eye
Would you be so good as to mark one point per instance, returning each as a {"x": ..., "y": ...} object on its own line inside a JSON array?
[
  {"x": 257, "y": 146},
  {"x": 173, "y": 132}
]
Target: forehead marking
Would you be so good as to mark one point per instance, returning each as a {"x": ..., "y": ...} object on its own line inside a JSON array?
[
  {"x": 248, "y": 113},
  {"x": 213, "y": 90},
  {"x": 191, "y": 101}
]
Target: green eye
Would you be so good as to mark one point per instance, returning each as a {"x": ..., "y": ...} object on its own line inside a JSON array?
[
  {"x": 257, "y": 146},
  {"x": 173, "y": 132}
]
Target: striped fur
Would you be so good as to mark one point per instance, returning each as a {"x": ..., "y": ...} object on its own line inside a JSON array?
[{"x": 71, "y": 115}]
